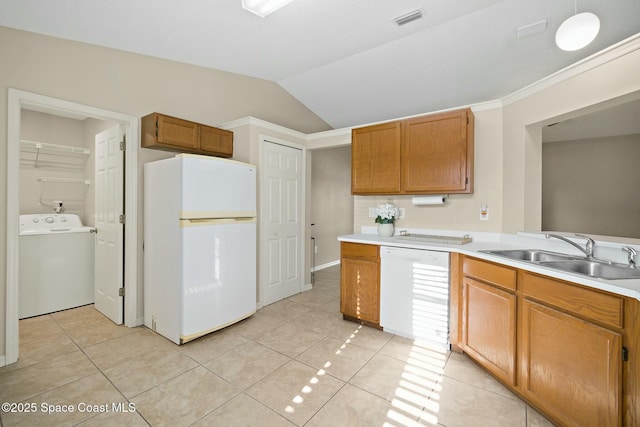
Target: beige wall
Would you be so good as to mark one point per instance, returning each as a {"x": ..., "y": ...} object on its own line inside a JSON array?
[
  {"x": 135, "y": 85},
  {"x": 331, "y": 201},
  {"x": 591, "y": 186},
  {"x": 616, "y": 78}
]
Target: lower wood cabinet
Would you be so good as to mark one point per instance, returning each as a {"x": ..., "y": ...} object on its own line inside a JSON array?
[
  {"x": 360, "y": 282},
  {"x": 571, "y": 368},
  {"x": 567, "y": 349},
  {"x": 489, "y": 317},
  {"x": 489, "y": 331}
]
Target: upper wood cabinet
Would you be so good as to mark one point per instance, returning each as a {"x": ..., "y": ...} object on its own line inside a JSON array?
[
  {"x": 437, "y": 153},
  {"x": 164, "y": 132},
  {"x": 217, "y": 141},
  {"x": 422, "y": 155},
  {"x": 375, "y": 159}
]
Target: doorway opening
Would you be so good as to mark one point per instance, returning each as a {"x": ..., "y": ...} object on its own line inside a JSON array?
[{"x": 19, "y": 101}]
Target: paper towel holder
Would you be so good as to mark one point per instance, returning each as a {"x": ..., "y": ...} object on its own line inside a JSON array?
[{"x": 438, "y": 199}]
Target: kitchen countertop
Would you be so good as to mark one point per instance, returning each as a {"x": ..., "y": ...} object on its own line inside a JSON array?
[{"x": 497, "y": 241}]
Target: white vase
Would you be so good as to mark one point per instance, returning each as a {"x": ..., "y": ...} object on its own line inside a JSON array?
[{"x": 385, "y": 230}]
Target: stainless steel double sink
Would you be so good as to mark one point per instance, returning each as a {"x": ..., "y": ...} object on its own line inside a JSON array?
[{"x": 591, "y": 267}]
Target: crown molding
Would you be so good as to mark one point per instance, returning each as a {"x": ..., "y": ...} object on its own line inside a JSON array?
[
  {"x": 329, "y": 138},
  {"x": 333, "y": 133},
  {"x": 253, "y": 121},
  {"x": 596, "y": 60},
  {"x": 487, "y": 105}
]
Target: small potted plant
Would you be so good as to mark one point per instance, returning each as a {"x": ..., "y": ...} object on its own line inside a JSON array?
[{"x": 386, "y": 216}]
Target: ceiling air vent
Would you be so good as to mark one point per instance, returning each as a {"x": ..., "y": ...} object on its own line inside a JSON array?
[
  {"x": 531, "y": 29},
  {"x": 409, "y": 17}
]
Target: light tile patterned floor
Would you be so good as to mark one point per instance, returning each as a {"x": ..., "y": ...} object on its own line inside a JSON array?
[{"x": 295, "y": 362}]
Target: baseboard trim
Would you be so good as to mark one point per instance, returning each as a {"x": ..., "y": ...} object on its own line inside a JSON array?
[
  {"x": 327, "y": 265},
  {"x": 3, "y": 361}
]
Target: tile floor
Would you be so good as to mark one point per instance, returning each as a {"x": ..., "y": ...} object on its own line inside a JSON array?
[{"x": 295, "y": 362}]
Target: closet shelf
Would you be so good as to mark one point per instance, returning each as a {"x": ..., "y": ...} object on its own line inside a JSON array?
[
  {"x": 25, "y": 144},
  {"x": 61, "y": 180},
  {"x": 44, "y": 154},
  {"x": 64, "y": 180}
]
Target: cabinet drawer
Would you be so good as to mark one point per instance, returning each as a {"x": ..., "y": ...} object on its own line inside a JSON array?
[
  {"x": 601, "y": 307},
  {"x": 359, "y": 250},
  {"x": 498, "y": 275}
]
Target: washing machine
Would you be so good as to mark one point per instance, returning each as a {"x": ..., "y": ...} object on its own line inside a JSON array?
[{"x": 56, "y": 263}]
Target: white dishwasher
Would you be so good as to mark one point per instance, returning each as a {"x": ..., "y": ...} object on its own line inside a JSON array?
[{"x": 414, "y": 294}]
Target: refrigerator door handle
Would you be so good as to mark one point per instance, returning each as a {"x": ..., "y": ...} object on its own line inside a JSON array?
[
  {"x": 216, "y": 214},
  {"x": 215, "y": 221}
]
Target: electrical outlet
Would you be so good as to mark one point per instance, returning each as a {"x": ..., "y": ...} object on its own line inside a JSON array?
[
  {"x": 401, "y": 213},
  {"x": 372, "y": 212}
]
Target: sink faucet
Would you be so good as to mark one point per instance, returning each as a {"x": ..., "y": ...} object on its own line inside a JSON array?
[
  {"x": 587, "y": 250},
  {"x": 631, "y": 253}
]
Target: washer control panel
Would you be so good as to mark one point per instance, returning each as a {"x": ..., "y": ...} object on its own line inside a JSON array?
[{"x": 52, "y": 222}]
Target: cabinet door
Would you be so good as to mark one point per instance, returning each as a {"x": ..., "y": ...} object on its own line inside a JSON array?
[
  {"x": 434, "y": 156},
  {"x": 571, "y": 368},
  {"x": 178, "y": 133},
  {"x": 489, "y": 328},
  {"x": 375, "y": 159},
  {"x": 360, "y": 290},
  {"x": 216, "y": 141}
]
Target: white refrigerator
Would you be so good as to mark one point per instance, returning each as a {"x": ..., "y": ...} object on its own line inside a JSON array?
[{"x": 199, "y": 245}]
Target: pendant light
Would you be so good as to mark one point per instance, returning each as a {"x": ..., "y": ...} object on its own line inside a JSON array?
[
  {"x": 578, "y": 30},
  {"x": 262, "y": 8}
]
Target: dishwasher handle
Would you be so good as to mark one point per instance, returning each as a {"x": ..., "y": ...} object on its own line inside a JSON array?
[{"x": 414, "y": 255}]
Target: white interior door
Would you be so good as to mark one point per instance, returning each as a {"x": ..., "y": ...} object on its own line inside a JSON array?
[
  {"x": 281, "y": 225},
  {"x": 109, "y": 205}
]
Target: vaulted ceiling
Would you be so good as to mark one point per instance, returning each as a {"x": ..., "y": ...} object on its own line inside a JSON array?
[{"x": 346, "y": 60}]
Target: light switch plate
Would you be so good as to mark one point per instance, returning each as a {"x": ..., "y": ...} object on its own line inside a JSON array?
[
  {"x": 372, "y": 212},
  {"x": 484, "y": 212}
]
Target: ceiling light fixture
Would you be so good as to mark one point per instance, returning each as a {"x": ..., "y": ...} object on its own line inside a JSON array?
[
  {"x": 263, "y": 8},
  {"x": 578, "y": 30}
]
